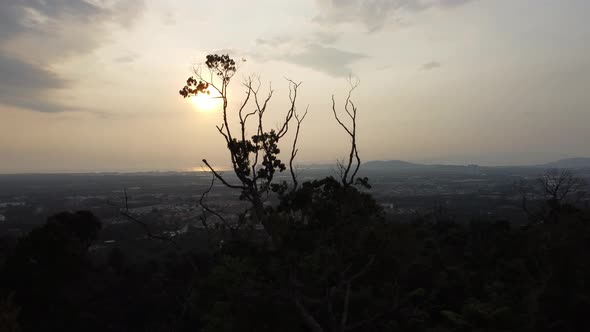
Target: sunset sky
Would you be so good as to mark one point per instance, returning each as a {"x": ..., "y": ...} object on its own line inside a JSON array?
[{"x": 93, "y": 85}]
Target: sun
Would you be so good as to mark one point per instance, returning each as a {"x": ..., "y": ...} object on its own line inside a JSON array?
[{"x": 205, "y": 102}]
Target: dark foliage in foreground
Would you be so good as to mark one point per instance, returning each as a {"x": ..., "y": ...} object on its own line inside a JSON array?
[{"x": 336, "y": 260}]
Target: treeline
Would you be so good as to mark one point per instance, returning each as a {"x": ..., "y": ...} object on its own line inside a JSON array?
[{"x": 332, "y": 264}]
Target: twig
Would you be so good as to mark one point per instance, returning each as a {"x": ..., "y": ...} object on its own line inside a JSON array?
[
  {"x": 126, "y": 213},
  {"x": 294, "y": 149},
  {"x": 208, "y": 209}
]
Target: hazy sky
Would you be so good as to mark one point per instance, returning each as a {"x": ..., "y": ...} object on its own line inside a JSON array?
[{"x": 93, "y": 85}]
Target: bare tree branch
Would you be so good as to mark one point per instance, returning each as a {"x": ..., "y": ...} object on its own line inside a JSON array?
[
  {"x": 211, "y": 211},
  {"x": 351, "y": 110},
  {"x": 220, "y": 178},
  {"x": 311, "y": 323},
  {"x": 127, "y": 214},
  {"x": 294, "y": 149}
]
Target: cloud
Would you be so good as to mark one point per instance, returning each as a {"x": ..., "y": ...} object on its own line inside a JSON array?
[
  {"x": 453, "y": 3},
  {"x": 36, "y": 35},
  {"x": 126, "y": 59},
  {"x": 17, "y": 74},
  {"x": 374, "y": 14},
  {"x": 326, "y": 37},
  {"x": 168, "y": 18},
  {"x": 314, "y": 51},
  {"x": 431, "y": 65},
  {"x": 50, "y": 30},
  {"x": 329, "y": 60},
  {"x": 316, "y": 36},
  {"x": 27, "y": 85}
]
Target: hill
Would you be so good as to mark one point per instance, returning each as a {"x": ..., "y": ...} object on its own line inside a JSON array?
[
  {"x": 568, "y": 163},
  {"x": 391, "y": 165}
]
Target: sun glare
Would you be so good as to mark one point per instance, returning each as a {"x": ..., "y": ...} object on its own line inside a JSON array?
[{"x": 205, "y": 102}]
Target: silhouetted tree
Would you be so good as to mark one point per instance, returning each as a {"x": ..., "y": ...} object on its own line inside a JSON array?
[
  {"x": 323, "y": 219},
  {"x": 255, "y": 160},
  {"x": 9, "y": 315},
  {"x": 348, "y": 171},
  {"x": 45, "y": 266},
  {"x": 560, "y": 185},
  {"x": 557, "y": 189}
]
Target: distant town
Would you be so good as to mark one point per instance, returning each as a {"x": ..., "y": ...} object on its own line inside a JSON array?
[{"x": 169, "y": 202}]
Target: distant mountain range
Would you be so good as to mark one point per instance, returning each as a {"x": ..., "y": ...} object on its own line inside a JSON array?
[
  {"x": 391, "y": 164},
  {"x": 380, "y": 165},
  {"x": 568, "y": 163},
  {"x": 400, "y": 165}
]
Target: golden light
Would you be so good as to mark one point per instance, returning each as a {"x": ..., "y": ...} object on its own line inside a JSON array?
[{"x": 205, "y": 102}]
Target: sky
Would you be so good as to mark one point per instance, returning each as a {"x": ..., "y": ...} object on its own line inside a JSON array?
[{"x": 93, "y": 85}]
